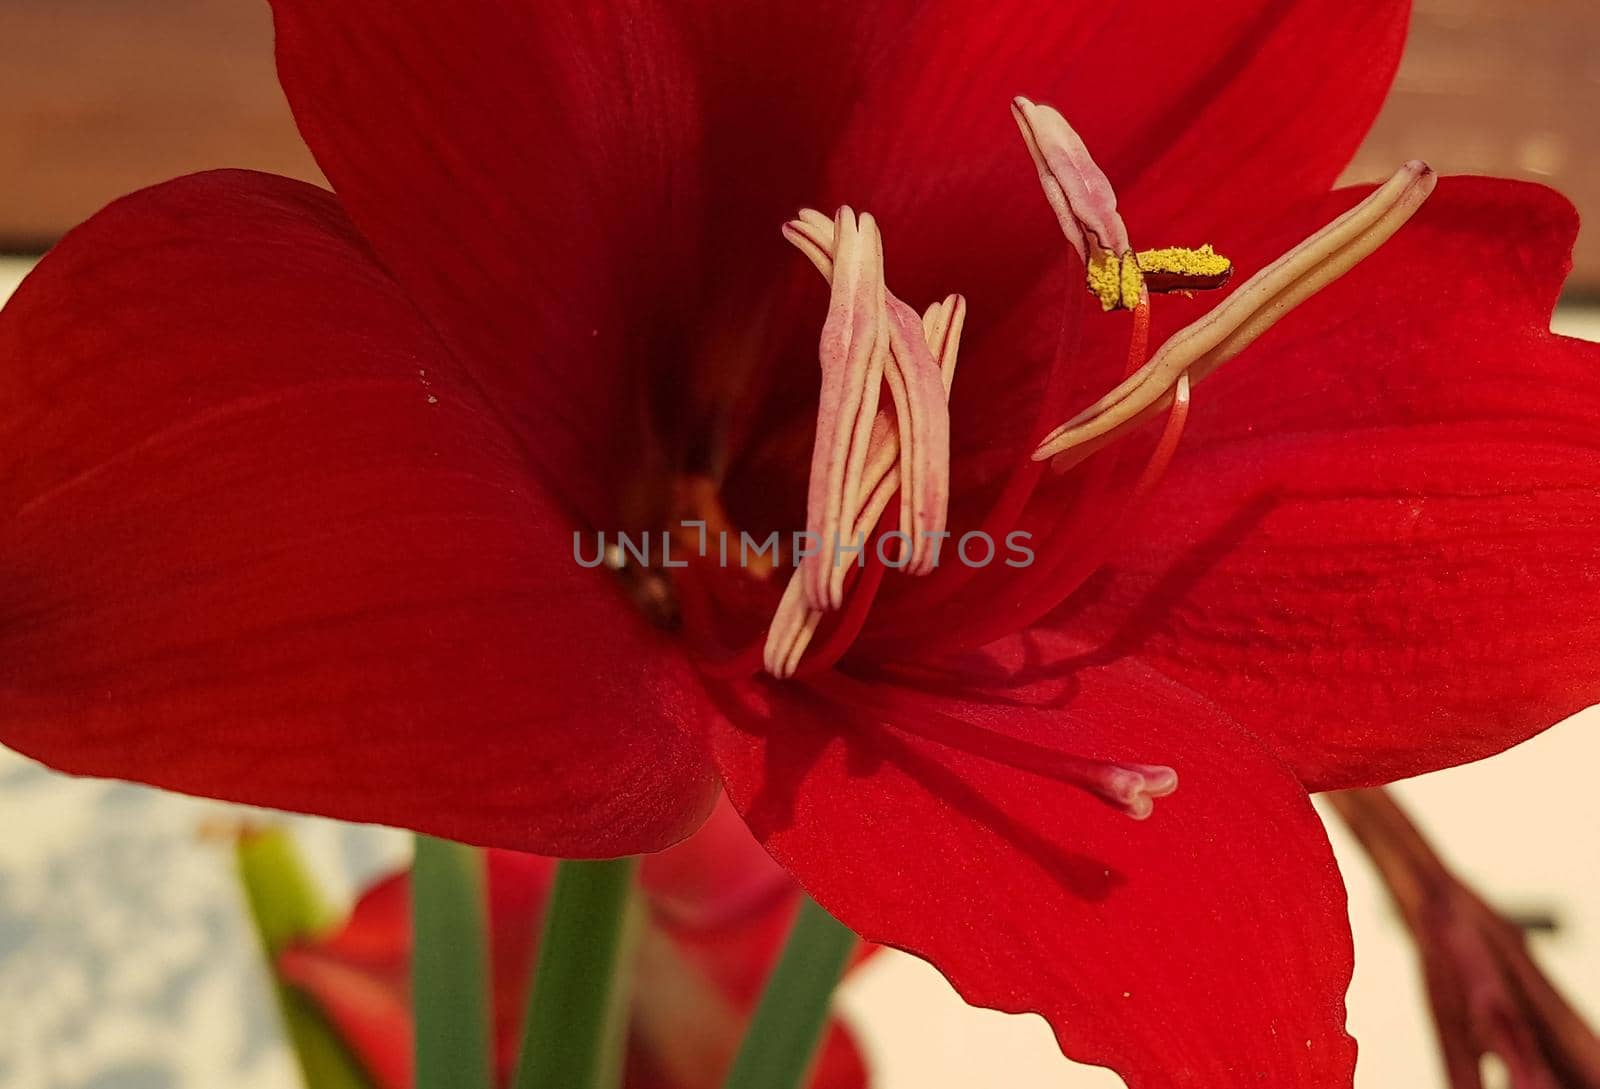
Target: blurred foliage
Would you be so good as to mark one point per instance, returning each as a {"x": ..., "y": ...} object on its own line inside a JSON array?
[{"x": 286, "y": 906}]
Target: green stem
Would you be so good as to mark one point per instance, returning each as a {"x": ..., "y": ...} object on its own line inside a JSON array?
[
  {"x": 577, "y": 1015},
  {"x": 783, "y": 1036},
  {"x": 449, "y": 966}
]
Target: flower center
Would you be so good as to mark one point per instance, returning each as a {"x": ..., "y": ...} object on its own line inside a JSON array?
[{"x": 867, "y": 452}]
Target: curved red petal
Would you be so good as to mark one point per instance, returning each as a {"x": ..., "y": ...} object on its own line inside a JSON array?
[
  {"x": 360, "y": 978},
  {"x": 1206, "y": 946},
  {"x": 778, "y": 81},
  {"x": 267, "y": 543},
  {"x": 1379, "y": 547},
  {"x": 714, "y": 878},
  {"x": 840, "y": 1063},
  {"x": 718, "y": 908},
  {"x": 528, "y": 174}
]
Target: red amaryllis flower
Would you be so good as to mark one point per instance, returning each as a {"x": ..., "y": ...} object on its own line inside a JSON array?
[
  {"x": 716, "y": 909},
  {"x": 293, "y": 477}
]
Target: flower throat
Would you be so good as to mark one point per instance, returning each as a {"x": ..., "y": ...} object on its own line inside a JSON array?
[{"x": 871, "y": 450}]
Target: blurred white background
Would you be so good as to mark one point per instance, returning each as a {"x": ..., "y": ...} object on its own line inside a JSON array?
[{"x": 126, "y": 961}]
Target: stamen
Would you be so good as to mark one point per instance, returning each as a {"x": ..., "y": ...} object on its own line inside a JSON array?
[
  {"x": 791, "y": 630},
  {"x": 907, "y": 452},
  {"x": 1250, "y": 311},
  {"x": 865, "y": 454},
  {"x": 851, "y": 619},
  {"x": 1175, "y": 268},
  {"x": 919, "y": 371},
  {"x": 942, "y": 326},
  {"x": 923, "y": 415},
  {"x": 812, "y": 234},
  {"x": 1084, "y": 203},
  {"x": 1086, "y": 207},
  {"x": 1077, "y": 189},
  {"x": 853, "y": 353},
  {"x": 1134, "y": 787},
  {"x": 795, "y": 625}
]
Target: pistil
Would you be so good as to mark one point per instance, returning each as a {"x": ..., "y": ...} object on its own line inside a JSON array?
[{"x": 1132, "y": 788}]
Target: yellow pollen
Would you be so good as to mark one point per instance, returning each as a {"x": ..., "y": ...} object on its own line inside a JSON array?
[
  {"x": 1202, "y": 263},
  {"x": 1119, "y": 281},
  {"x": 1114, "y": 279},
  {"x": 1132, "y": 282}
]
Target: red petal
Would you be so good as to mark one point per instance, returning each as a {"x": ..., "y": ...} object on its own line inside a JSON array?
[
  {"x": 779, "y": 80},
  {"x": 1379, "y": 547},
  {"x": 528, "y": 174},
  {"x": 1206, "y": 946},
  {"x": 359, "y": 977},
  {"x": 715, "y": 877},
  {"x": 726, "y": 906},
  {"x": 267, "y": 543}
]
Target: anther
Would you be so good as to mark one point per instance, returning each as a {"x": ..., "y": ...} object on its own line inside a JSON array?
[
  {"x": 853, "y": 352},
  {"x": 905, "y": 452},
  {"x": 1086, "y": 208}
]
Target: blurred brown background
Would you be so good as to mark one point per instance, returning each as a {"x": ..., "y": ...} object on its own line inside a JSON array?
[
  {"x": 98, "y": 97},
  {"x": 1507, "y": 87},
  {"x": 101, "y": 97}
]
